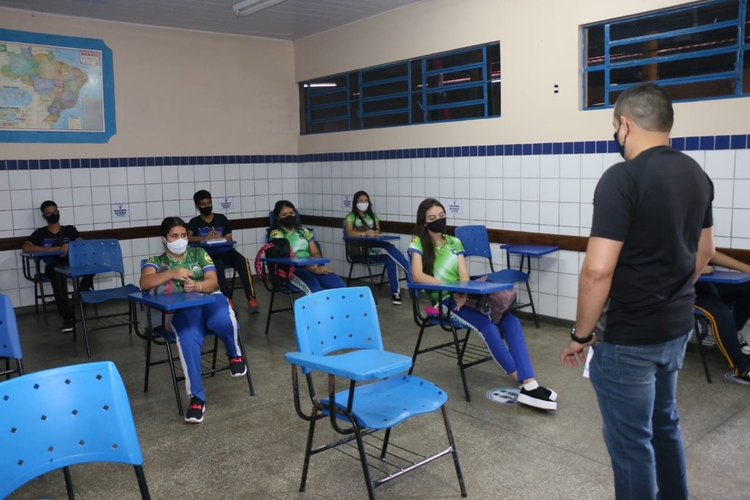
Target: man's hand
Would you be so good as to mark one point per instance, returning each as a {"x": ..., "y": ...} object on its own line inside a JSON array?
[
  {"x": 459, "y": 299},
  {"x": 708, "y": 270},
  {"x": 568, "y": 356},
  {"x": 64, "y": 248}
]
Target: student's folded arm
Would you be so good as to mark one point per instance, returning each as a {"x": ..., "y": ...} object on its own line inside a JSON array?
[
  {"x": 416, "y": 270},
  {"x": 193, "y": 238},
  {"x": 463, "y": 271},
  {"x": 29, "y": 247},
  {"x": 720, "y": 259},
  {"x": 209, "y": 282},
  {"x": 350, "y": 231},
  {"x": 151, "y": 279},
  {"x": 706, "y": 250}
]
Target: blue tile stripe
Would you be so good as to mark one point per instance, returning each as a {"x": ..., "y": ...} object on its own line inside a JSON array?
[{"x": 693, "y": 143}]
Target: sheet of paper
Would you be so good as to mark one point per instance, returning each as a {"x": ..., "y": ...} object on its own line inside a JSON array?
[{"x": 588, "y": 362}]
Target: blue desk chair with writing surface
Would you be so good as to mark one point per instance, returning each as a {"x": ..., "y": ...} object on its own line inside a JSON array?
[
  {"x": 338, "y": 334},
  {"x": 476, "y": 243},
  {"x": 66, "y": 416},
  {"x": 97, "y": 256},
  {"x": 10, "y": 344}
]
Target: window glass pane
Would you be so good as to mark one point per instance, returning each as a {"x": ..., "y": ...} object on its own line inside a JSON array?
[
  {"x": 460, "y": 113},
  {"x": 715, "y": 39},
  {"x": 329, "y": 98},
  {"x": 594, "y": 49},
  {"x": 385, "y": 89},
  {"x": 396, "y": 71},
  {"x": 452, "y": 60},
  {"x": 456, "y": 77},
  {"x": 327, "y": 113},
  {"x": 594, "y": 88},
  {"x": 699, "y": 90},
  {"x": 700, "y": 15},
  {"x": 746, "y": 74},
  {"x": 399, "y": 103},
  {"x": 674, "y": 69}
]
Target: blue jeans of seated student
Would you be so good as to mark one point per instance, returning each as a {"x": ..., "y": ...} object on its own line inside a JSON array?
[
  {"x": 390, "y": 259},
  {"x": 514, "y": 357},
  {"x": 191, "y": 326},
  {"x": 308, "y": 282},
  {"x": 636, "y": 389}
]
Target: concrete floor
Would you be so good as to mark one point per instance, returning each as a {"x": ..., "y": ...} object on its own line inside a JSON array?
[{"x": 252, "y": 448}]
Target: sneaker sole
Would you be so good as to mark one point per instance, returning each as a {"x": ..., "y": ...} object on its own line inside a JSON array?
[
  {"x": 552, "y": 395},
  {"x": 196, "y": 420},
  {"x": 252, "y": 310},
  {"x": 734, "y": 378},
  {"x": 67, "y": 330},
  {"x": 536, "y": 403},
  {"x": 746, "y": 351},
  {"x": 235, "y": 375}
]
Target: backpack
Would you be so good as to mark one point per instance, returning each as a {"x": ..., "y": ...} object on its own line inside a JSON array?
[{"x": 274, "y": 249}]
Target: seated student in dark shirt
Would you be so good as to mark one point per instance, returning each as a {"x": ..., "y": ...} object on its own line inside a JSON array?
[
  {"x": 209, "y": 226},
  {"x": 727, "y": 307},
  {"x": 55, "y": 237}
]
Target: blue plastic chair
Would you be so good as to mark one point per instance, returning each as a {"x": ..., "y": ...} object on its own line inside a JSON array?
[
  {"x": 65, "y": 416},
  {"x": 476, "y": 243},
  {"x": 10, "y": 345},
  {"x": 96, "y": 256},
  {"x": 331, "y": 321},
  {"x": 458, "y": 348}
]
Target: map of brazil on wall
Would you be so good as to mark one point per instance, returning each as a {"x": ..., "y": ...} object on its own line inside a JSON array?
[{"x": 55, "y": 92}]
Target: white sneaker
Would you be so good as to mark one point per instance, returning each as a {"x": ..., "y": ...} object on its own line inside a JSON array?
[{"x": 744, "y": 346}]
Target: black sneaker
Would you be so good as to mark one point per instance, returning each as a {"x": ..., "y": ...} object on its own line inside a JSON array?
[
  {"x": 195, "y": 412},
  {"x": 237, "y": 366},
  {"x": 739, "y": 378},
  {"x": 552, "y": 395},
  {"x": 397, "y": 299},
  {"x": 68, "y": 326},
  {"x": 743, "y": 345},
  {"x": 536, "y": 398}
]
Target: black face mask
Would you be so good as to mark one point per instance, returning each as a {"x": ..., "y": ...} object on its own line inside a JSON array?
[
  {"x": 205, "y": 210},
  {"x": 438, "y": 225},
  {"x": 288, "y": 221},
  {"x": 53, "y": 218},
  {"x": 620, "y": 147}
]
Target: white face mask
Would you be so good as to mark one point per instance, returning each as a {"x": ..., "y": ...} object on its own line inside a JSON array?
[
  {"x": 362, "y": 207},
  {"x": 177, "y": 246}
]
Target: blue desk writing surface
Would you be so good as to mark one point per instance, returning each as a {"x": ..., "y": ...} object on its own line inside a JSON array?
[
  {"x": 530, "y": 250},
  {"x": 297, "y": 261},
  {"x": 39, "y": 255},
  {"x": 217, "y": 243},
  {"x": 382, "y": 237},
  {"x": 726, "y": 277},
  {"x": 172, "y": 301},
  {"x": 78, "y": 271},
  {"x": 476, "y": 287}
]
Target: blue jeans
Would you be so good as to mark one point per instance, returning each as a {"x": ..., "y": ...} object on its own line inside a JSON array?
[{"x": 636, "y": 389}]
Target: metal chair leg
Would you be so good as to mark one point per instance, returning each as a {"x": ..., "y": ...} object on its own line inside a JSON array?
[
  {"x": 363, "y": 460},
  {"x": 308, "y": 449},
  {"x": 454, "y": 452},
  {"x": 270, "y": 310},
  {"x": 531, "y": 301}
]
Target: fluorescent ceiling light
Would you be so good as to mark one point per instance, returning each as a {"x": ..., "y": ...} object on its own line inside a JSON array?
[
  {"x": 252, "y": 6},
  {"x": 316, "y": 85}
]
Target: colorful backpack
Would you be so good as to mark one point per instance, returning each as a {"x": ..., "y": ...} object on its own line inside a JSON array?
[{"x": 276, "y": 248}]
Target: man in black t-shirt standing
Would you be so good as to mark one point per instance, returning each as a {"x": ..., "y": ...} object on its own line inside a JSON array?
[
  {"x": 651, "y": 236},
  {"x": 211, "y": 226},
  {"x": 55, "y": 237}
]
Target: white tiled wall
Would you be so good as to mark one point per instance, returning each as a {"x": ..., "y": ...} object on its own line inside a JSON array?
[
  {"x": 548, "y": 193},
  {"x": 84, "y": 197}
]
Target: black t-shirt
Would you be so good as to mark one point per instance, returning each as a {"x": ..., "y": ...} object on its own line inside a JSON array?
[
  {"x": 219, "y": 223},
  {"x": 656, "y": 204},
  {"x": 43, "y": 237}
]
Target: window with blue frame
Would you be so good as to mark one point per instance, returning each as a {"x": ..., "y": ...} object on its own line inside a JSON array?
[
  {"x": 458, "y": 85},
  {"x": 696, "y": 51}
]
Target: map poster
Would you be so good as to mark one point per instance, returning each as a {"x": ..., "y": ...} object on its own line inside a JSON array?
[{"x": 55, "y": 89}]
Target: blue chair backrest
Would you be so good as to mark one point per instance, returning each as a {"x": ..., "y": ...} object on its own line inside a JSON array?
[
  {"x": 10, "y": 345},
  {"x": 332, "y": 320},
  {"x": 475, "y": 240},
  {"x": 96, "y": 252},
  {"x": 62, "y": 417}
]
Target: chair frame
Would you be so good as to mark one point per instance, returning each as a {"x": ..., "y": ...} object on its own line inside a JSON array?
[
  {"x": 284, "y": 286},
  {"x": 39, "y": 280},
  {"x": 700, "y": 332},
  {"x": 322, "y": 409},
  {"x": 158, "y": 337},
  {"x": 367, "y": 262},
  {"x": 10, "y": 344}
]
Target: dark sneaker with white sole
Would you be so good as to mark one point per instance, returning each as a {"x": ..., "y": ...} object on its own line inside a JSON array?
[
  {"x": 738, "y": 378},
  {"x": 237, "y": 366},
  {"x": 743, "y": 346},
  {"x": 537, "y": 398},
  {"x": 552, "y": 395},
  {"x": 68, "y": 326},
  {"x": 195, "y": 412},
  {"x": 397, "y": 299}
]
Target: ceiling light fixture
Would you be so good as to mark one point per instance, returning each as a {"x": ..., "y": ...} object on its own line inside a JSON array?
[
  {"x": 252, "y": 6},
  {"x": 318, "y": 85}
]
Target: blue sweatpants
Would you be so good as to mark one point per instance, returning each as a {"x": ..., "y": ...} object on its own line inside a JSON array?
[
  {"x": 307, "y": 282},
  {"x": 390, "y": 259},
  {"x": 514, "y": 357},
  {"x": 191, "y": 326}
]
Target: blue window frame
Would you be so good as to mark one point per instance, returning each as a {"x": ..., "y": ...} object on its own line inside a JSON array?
[
  {"x": 458, "y": 85},
  {"x": 696, "y": 51}
]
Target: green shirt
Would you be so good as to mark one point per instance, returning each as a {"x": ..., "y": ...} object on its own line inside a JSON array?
[
  {"x": 299, "y": 239},
  {"x": 446, "y": 259},
  {"x": 357, "y": 221},
  {"x": 195, "y": 259}
]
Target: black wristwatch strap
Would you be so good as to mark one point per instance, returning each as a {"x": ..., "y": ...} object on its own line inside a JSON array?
[{"x": 575, "y": 338}]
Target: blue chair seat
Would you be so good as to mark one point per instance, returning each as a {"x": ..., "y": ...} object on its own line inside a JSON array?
[
  {"x": 508, "y": 276},
  {"x": 99, "y": 296},
  {"x": 383, "y": 404}
]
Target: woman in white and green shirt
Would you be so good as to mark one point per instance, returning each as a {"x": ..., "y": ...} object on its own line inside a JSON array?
[
  {"x": 439, "y": 258},
  {"x": 362, "y": 221}
]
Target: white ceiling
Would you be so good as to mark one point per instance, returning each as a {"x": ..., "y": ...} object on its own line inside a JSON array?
[{"x": 289, "y": 20}]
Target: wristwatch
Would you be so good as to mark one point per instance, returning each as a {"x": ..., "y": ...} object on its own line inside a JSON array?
[{"x": 584, "y": 340}]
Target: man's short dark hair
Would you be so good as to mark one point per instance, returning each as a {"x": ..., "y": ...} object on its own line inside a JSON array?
[
  {"x": 649, "y": 105},
  {"x": 48, "y": 203},
  {"x": 201, "y": 195}
]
